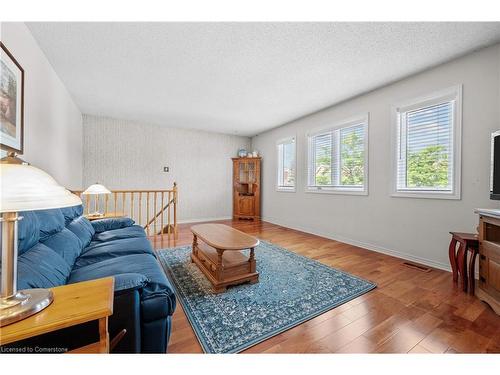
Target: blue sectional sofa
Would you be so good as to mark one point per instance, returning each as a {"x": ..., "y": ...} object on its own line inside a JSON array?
[{"x": 61, "y": 246}]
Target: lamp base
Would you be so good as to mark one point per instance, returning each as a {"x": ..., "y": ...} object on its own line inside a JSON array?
[{"x": 23, "y": 304}]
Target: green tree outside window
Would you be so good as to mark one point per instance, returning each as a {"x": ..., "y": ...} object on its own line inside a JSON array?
[
  {"x": 352, "y": 158},
  {"x": 428, "y": 168}
]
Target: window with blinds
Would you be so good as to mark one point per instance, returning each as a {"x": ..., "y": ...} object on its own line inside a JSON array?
[
  {"x": 337, "y": 159},
  {"x": 427, "y": 131},
  {"x": 286, "y": 165}
]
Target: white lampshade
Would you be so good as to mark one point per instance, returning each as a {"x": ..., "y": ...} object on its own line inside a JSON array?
[
  {"x": 96, "y": 189},
  {"x": 26, "y": 188}
]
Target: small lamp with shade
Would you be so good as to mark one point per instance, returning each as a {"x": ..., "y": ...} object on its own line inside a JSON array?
[{"x": 96, "y": 190}]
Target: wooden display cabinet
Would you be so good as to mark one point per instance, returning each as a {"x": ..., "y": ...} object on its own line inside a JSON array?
[
  {"x": 246, "y": 188},
  {"x": 488, "y": 288}
]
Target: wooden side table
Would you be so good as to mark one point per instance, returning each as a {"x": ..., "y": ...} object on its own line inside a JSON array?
[
  {"x": 458, "y": 258},
  {"x": 73, "y": 304}
]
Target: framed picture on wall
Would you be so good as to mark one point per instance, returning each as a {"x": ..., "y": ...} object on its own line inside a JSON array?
[{"x": 11, "y": 102}]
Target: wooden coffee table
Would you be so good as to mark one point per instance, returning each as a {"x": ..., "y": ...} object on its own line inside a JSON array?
[{"x": 218, "y": 255}]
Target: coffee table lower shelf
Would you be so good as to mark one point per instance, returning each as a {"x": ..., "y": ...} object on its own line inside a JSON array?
[{"x": 224, "y": 267}]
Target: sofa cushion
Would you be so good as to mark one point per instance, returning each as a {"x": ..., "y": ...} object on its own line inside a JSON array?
[
  {"x": 82, "y": 228},
  {"x": 41, "y": 267},
  {"x": 66, "y": 244},
  {"x": 103, "y": 225},
  {"x": 99, "y": 251},
  {"x": 117, "y": 234},
  {"x": 51, "y": 222},
  {"x": 28, "y": 232},
  {"x": 157, "y": 287},
  {"x": 71, "y": 213}
]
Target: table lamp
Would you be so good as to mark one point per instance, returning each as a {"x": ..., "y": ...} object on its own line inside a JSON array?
[
  {"x": 96, "y": 189},
  {"x": 23, "y": 188}
]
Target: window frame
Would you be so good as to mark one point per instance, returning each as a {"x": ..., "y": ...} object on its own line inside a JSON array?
[
  {"x": 363, "y": 119},
  {"x": 435, "y": 98},
  {"x": 286, "y": 189}
]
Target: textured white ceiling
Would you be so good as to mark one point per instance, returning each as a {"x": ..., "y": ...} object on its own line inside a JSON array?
[{"x": 241, "y": 78}]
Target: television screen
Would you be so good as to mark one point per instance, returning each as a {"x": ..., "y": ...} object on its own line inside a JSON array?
[{"x": 495, "y": 166}]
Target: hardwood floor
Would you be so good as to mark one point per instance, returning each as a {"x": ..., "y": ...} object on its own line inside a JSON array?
[{"x": 409, "y": 312}]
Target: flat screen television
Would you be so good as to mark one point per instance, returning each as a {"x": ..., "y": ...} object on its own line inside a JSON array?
[{"x": 495, "y": 166}]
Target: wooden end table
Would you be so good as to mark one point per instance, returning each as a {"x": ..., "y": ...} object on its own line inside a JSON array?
[
  {"x": 219, "y": 255},
  {"x": 458, "y": 258},
  {"x": 73, "y": 304}
]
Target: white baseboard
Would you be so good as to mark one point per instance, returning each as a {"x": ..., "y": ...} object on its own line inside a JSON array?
[
  {"x": 199, "y": 220},
  {"x": 364, "y": 245}
]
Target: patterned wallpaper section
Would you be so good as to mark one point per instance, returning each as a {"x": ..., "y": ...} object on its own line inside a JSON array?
[{"x": 124, "y": 154}]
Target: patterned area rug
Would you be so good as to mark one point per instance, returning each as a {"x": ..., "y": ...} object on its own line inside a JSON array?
[{"x": 291, "y": 290}]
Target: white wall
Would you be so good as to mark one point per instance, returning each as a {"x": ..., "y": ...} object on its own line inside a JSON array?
[
  {"x": 128, "y": 155},
  {"x": 412, "y": 228},
  {"x": 52, "y": 121}
]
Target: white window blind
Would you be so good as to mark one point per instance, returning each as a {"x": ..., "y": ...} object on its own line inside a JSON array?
[
  {"x": 286, "y": 164},
  {"x": 427, "y": 147},
  {"x": 337, "y": 158}
]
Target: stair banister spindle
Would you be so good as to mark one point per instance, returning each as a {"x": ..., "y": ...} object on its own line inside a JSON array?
[
  {"x": 175, "y": 208},
  {"x": 168, "y": 212},
  {"x": 154, "y": 211},
  {"x": 140, "y": 208},
  {"x": 147, "y": 212},
  {"x": 123, "y": 202},
  {"x": 162, "y": 211}
]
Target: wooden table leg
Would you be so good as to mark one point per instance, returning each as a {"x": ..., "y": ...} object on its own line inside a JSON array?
[
  {"x": 452, "y": 252},
  {"x": 251, "y": 260},
  {"x": 103, "y": 335},
  {"x": 194, "y": 248},
  {"x": 219, "y": 271},
  {"x": 472, "y": 270},
  {"x": 462, "y": 263}
]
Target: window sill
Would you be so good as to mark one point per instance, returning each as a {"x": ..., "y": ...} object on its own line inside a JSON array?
[
  {"x": 336, "y": 191},
  {"x": 426, "y": 195},
  {"x": 285, "y": 190}
]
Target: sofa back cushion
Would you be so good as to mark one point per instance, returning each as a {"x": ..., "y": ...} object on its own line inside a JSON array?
[
  {"x": 71, "y": 213},
  {"x": 103, "y": 225},
  {"x": 51, "y": 222},
  {"x": 28, "y": 232},
  {"x": 82, "y": 228},
  {"x": 41, "y": 267},
  {"x": 66, "y": 244}
]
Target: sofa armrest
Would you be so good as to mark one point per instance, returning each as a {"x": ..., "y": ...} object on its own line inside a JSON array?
[
  {"x": 125, "y": 282},
  {"x": 103, "y": 225},
  {"x": 151, "y": 308}
]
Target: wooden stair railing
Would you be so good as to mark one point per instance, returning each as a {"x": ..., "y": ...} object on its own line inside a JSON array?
[
  {"x": 163, "y": 228},
  {"x": 155, "y": 210}
]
